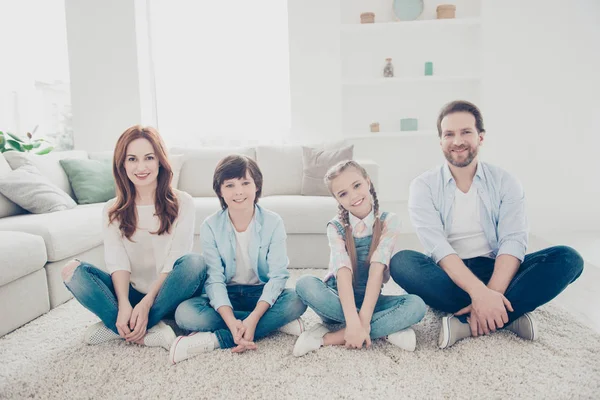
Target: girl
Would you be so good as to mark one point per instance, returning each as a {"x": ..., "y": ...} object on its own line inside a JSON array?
[
  {"x": 148, "y": 232},
  {"x": 244, "y": 246},
  {"x": 361, "y": 241}
]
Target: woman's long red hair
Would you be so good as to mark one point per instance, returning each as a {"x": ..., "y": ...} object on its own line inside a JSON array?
[{"x": 165, "y": 202}]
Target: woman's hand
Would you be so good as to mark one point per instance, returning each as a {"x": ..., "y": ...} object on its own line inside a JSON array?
[
  {"x": 139, "y": 321},
  {"x": 123, "y": 317}
]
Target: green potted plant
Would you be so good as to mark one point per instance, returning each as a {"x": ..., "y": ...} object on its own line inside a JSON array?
[{"x": 12, "y": 142}]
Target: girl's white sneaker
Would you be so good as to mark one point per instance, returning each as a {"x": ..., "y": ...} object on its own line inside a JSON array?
[
  {"x": 310, "y": 340},
  {"x": 296, "y": 327},
  {"x": 405, "y": 339}
]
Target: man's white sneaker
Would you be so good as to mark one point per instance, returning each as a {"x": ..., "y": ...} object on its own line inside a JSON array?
[
  {"x": 405, "y": 339},
  {"x": 195, "y": 343},
  {"x": 160, "y": 335},
  {"x": 451, "y": 331},
  {"x": 524, "y": 327},
  {"x": 296, "y": 327},
  {"x": 310, "y": 340},
  {"x": 99, "y": 333}
]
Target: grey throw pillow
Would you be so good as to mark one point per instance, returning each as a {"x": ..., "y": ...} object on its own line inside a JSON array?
[
  {"x": 316, "y": 162},
  {"x": 28, "y": 188}
]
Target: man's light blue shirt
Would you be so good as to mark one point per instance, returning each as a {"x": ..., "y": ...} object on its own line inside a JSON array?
[
  {"x": 267, "y": 251},
  {"x": 502, "y": 205}
]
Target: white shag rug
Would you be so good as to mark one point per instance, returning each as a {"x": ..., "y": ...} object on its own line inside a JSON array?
[{"x": 47, "y": 359}]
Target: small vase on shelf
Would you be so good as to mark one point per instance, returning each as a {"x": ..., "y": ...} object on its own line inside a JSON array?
[
  {"x": 374, "y": 127},
  {"x": 388, "y": 70}
]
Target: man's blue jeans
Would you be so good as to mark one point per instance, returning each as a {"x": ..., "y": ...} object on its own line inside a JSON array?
[
  {"x": 540, "y": 278},
  {"x": 94, "y": 289},
  {"x": 197, "y": 315},
  {"x": 391, "y": 313}
]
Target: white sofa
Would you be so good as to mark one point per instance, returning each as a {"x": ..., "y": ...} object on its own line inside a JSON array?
[{"x": 35, "y": 247}]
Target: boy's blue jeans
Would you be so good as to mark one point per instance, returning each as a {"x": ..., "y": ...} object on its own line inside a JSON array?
[{"x": 197, "y": 315}]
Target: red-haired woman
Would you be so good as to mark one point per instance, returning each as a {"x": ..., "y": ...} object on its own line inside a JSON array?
[{"x": 148, "y": 235}]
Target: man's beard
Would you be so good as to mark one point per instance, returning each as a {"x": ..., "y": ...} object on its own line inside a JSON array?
[{"x": 471, "y": 154}]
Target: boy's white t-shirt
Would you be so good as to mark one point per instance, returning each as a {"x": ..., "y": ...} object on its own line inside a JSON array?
[
  {"x": 244, "y": 274},
  {"x": 466, "y": 234}
]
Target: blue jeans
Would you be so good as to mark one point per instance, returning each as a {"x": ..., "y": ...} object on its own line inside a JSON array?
[
  {"x": 94, "y": 289},
  {"x": 539, "y": 279},
  {"x": 391, "y": 314},
  {"x": 197, "y": 315}
]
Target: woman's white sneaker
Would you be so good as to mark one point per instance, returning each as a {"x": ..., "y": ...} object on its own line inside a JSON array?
[
  {"x": 310, "y": 340},
  {"x": 160, "y": 335},
  {"x": 99, "y": 333},
  {"x": 296, "y": 327},
  {"x": 406, "y": 339},
  {"x": 195, "y": 343}
]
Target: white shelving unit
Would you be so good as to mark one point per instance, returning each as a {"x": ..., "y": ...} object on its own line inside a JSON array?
[
  {"x": 395, "y": 135},
  {"x": 452, "y": 45}
]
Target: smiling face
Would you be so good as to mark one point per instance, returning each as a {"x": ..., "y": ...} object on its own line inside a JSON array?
[
  {"x": 351, "y": 190},
  {"x": 460, "y": 140},
  {"x": 141, "y": 163},
  {"x": 239, "y": 194}
]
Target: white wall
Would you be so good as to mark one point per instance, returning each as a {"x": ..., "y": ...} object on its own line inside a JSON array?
[
  {"x": 541, "y": 105},
  {"x": 105, "y": 81},
  {"x": 314, "y": 32}
]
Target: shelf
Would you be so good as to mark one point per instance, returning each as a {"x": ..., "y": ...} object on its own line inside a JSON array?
[
  {"x": 416, "y": 79},
  {"x": 394, "y": 135},
  {"x": 417, "y": 24}
]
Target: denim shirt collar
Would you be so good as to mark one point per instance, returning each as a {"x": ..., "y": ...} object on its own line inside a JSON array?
[{"x": 447, "y": 174}]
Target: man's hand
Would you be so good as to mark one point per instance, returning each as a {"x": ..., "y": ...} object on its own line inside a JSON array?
[{"x": 488, "y": 311}]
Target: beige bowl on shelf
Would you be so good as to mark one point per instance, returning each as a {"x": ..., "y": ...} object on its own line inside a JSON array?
[{"x": 446, "y": 11}]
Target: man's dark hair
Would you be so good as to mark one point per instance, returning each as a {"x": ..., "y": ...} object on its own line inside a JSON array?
[{"x": 461, "y": 106}]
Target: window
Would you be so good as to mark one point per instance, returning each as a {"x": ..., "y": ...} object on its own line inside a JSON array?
[
  {"x": 34, "y": 83},
  {"x": 221, "y": 70}
]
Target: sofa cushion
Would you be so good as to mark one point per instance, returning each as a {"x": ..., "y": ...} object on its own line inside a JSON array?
[
  {"x": 22, "y": 254},
  {"x": 302, "y": 214},
  {"x": 281, "y": 167},
  {"x": 48, "y": 165},
  {"x": 65, "y": 233},
  {"x": 7, "y": 207},
  {"x": 92, "y": 180},
  {"x": 316, "y": 163},
  {"x": 31, "y": 190},
  {"x": 199, "y": 165},
  {"x": 205, "y": 207}
]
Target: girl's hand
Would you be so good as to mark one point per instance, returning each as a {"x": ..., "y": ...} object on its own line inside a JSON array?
[
  {"x": 355, "y": 336},
  {"x": 139, "y": 321},
  {"x": 123, "y": 318}
]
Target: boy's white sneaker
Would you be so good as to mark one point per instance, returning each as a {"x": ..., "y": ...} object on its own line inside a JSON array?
[
  {"x": 296, "y": 327},
  {"x": 195, "y": 343},
  {"x": 406, "y": 339},
  {"x": 160, "y": 335},
  {"x": 310, "y": 340},
  {"x": 99, "y": 333}
]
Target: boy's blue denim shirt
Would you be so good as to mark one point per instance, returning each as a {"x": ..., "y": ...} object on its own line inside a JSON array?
[
  {"x": 503, "y": 216},
  {"x": 267, "y": 250}
]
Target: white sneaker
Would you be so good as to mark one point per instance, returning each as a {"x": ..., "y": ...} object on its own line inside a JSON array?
[
  {"x": 195, "y": 343},
  {"x": 160, "y": 335},
  {"x": 296, "y": 327},
  {"x": 405, "y": 339},
  {"x": 99, "y": 333},
  {"x": 310, "y": 340},
  {"x": 525, "y": 327}
]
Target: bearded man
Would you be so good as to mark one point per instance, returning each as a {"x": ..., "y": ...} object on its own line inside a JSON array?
[{"x": 470, "y": 218}]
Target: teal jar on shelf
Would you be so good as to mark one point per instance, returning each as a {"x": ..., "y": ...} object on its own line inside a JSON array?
[
  {"x": 428, "y": 68},
  {"x": 409, "y": 124}
]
